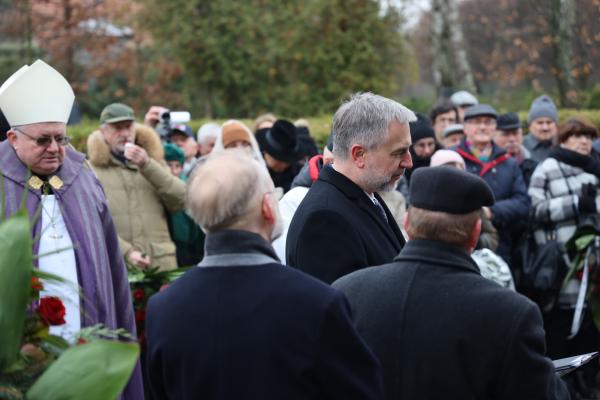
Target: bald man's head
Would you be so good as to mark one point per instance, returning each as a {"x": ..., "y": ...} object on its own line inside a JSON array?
[{"x": 226, "y": 191}]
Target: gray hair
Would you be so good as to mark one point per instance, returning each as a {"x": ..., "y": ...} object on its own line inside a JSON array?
[
  {"x": 208, "y": 130},
  {"x": 365, "y": 119},
  {"x": 453, "y": 229},
  {"x": 225, "y": 188}
]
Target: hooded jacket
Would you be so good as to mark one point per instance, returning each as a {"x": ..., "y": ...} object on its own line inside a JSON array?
[{"x": 138, "y": 197}]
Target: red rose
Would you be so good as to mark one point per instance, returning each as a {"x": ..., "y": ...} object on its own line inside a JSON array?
[
  {"x": 139, "y": 294},
  {"x": 51, "y": 311}
]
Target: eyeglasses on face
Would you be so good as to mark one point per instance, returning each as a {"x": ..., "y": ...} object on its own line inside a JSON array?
[{"x": 45, "y": 141}]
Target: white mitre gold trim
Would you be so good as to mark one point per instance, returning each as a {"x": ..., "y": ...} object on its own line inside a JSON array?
[{"x": 36, "y": 93}]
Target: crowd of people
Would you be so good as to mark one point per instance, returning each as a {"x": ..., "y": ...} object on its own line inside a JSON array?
[{"x": 386, "y": 265}]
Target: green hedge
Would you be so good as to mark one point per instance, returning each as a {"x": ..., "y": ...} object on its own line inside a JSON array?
[
  {"x": 319, "y": 126},
  {"x": 319, "y": 129},
  {"x": 565, "y": 114}
]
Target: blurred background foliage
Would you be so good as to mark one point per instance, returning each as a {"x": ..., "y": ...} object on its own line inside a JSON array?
[{"x": 222, "y": 59}]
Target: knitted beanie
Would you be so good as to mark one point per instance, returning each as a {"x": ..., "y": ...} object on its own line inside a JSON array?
[
  {"x": 421, "y": 128},
  {"x": 542, "y": 107},
  {"x": 173, "y": 153}
]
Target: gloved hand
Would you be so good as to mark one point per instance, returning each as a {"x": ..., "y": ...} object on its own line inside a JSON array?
[{"x": 587, "y": 199}]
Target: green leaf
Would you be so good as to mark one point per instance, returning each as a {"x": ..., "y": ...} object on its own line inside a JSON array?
[
  {"x": 46, "y": 276},
  {"x": 54, "y": 344},
  {"x": 98, "y": 370},
  {"x": 584, "y": 241},
  {"x": 15, "y": 283}
]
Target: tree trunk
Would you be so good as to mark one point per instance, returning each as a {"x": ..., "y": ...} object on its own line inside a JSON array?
[
  {"x": 69, "y": 51},
  {"x": 27, "y": 52},
  {"x": 450, "y": 66},
  {"x": 562, "y": 22},
  {"x": 463, "y": 68}
]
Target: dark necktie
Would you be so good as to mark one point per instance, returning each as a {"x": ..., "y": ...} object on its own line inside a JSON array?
[{"x": 380, "y": 209}]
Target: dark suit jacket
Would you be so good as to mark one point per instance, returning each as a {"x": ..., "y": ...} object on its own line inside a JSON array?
[
  {"x": 256, "y": 332},
  {"x": 441, "y": 330},
  {"x": 337, "y": 230}
]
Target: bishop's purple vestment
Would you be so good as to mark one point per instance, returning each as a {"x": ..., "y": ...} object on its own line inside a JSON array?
[{"x": 101, "y": 269}]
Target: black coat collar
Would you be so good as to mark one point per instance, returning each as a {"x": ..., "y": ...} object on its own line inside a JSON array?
[
  {"x": 232, "y": 241},
  {"x": 357, "y": 195},
  {"x": 438, "y": 253}
]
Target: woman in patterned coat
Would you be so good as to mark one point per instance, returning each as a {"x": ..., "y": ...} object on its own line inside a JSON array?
[
  {"x": 564, "y": 186},
  {"x": 563, "y": 189}
]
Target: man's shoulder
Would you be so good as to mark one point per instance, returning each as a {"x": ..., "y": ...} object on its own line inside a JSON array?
[
  {"x": 486, "y": 295},
  {"x": 328, "y": 194},
  {"x": 274, "y": 280},
  {"x": 374, "y": 279},
  {"x": 530, "y": 141}
]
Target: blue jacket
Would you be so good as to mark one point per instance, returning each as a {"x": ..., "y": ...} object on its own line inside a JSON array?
[{"x": 503, "y": 175}]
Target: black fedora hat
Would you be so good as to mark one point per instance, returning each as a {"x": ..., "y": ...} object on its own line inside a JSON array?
[{"x": 281, "y": 142}]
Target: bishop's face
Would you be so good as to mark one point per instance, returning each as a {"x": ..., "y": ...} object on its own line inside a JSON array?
[{"x": 41, "y": 146}]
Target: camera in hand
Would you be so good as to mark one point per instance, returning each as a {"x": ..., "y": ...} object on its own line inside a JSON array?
[{"x": 167, "y": 120}]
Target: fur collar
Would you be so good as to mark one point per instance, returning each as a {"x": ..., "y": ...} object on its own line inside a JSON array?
[{"x": 145, "y": 137}]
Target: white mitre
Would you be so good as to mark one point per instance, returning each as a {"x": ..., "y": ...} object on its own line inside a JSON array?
[{"x": 36, "y": 93}]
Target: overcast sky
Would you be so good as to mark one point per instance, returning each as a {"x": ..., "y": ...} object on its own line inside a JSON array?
[{"x": 411, "y": 9}]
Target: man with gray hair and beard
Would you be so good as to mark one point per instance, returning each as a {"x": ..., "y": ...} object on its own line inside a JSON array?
[
  {"x": 240, "y": 325},
  {"x": 343, "y": 224}
]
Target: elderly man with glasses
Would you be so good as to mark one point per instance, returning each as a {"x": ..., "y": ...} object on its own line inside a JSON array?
[
  {"x": 500, "y": 171},
  {"x": 68, "y": 209}
]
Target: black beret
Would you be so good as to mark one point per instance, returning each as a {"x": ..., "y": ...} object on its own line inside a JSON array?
[
  {"x": 508, "y": 121},
  {"x": 448, "y": 189},
  {"x": 480, "y": 110},
  {"x": 421, "y": 128}
]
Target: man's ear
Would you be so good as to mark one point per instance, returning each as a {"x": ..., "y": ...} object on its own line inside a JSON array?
[
  {"x": 267, "y": 210},
  {"x": 405, "y": 223},
  {"x": 358, "y": 153},
  {"x": 475, "y": 232},
  {"x": 11, "y": 136}
]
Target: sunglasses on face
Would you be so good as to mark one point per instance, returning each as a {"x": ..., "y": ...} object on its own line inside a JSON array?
[{"x": 45, "y": 141}]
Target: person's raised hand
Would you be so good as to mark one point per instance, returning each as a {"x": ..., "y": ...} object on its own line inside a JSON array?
[
  {"x": 138, "y": 259},
  {"x": 152, "y": 117},
  {"x": 137, "y": 155}
]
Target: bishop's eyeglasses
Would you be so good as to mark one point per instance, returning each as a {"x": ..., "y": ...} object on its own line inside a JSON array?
[{"x": 45, "y": 141}]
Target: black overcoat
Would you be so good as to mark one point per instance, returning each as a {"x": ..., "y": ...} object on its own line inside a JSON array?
[
  {"x": 442, "y": 331},
  {"x": 337, "y": 230},
  {"x": 256, "y": 332}
]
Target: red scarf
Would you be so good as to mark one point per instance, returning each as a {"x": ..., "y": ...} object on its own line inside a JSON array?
[{"x": 485, "y": 167}]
